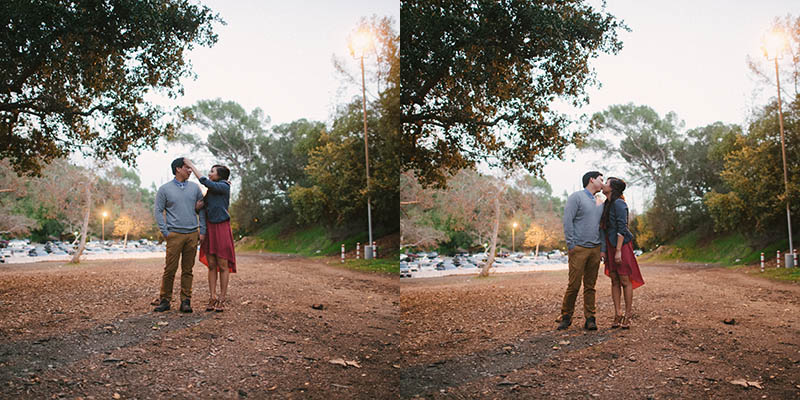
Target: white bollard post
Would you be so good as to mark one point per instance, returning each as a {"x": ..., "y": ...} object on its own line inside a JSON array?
[
  {"x": 778, "y": 260},
  {"x": 358, "y": 250},
  {"x": 374, "y": 250},
  {"x": 794, "y": 257},
  {"x": 342, "y": 253},
  {"x": 762, "y": 261}
]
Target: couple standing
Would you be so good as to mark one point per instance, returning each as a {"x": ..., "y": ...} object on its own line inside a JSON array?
[
  {"x": 186, "y": 217},
  {"x": 595, "y": 232}
]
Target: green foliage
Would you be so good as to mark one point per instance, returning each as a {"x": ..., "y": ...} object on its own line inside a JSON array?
[
  {"x": 388, "y": 265},
  {"x": 478, "y": 67},
  {"x": 265, "y": 164},
  {"x": 335, "y": 192},
  {"x": 726, "y": 209},
  {"x": 462, "y": 214},
  {"x": 56, "y": 201},
  {"x": 781, "y": 274},
  {"x": 754, "y": 174},
  {"x": 234, "y": 135},
  {"x": 681, "y": 168},
  {"x": 726, "y": 249},
  {"x": 75, "y": 75},
  {"x": 309, "y": 240}
]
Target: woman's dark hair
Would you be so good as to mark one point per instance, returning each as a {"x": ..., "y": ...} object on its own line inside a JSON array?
[
  {"x": 617, "y": 188},
  {"x": 223, "y": 172}
]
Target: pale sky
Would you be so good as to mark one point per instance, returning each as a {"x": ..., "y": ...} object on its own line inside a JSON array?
[
  {"x": 685, "y": 56},
  {"x": 275, "y": 55},
  {"x": 681, "y": 55}
]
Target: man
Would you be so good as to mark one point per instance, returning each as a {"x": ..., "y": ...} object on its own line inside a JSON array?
[
  {"x": 582, "y": 232},
  {"x": 177, "y": 199}
]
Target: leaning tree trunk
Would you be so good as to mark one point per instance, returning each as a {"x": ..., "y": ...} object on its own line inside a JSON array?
[
  {"x": 489, "y": 262},
  {"x": 126, "y": 240},
  {"x": 76, "y": 258}
]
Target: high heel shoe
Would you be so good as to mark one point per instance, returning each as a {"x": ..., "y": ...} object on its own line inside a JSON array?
[{"x": 617, "y": 320}]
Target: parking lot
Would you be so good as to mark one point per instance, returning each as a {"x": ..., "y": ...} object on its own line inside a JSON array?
[
  {"x": 23, "y": 251},
  {"x": 431, "y": 264}
]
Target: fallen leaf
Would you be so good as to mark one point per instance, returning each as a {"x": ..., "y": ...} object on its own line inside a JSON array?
[
  {"x": 740, "y": 382},
  {"x": 564, "y": 342},
  {"x": 755, "y": 384},
  {"x": 353, "y": 364},
  {"x": 116, "y": 395},
  {"x": 338, "y": 361}
]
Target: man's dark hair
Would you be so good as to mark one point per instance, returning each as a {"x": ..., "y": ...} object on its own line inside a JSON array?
[
  {"x": 590, "y": 175},
  {"x": 223, "y": 172},
  {"x": 177, "y": 163}
]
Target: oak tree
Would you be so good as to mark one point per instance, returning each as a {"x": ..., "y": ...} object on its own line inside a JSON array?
[
  {"x": 479, "y": 79},
  {"x": 75, "y": 75}
]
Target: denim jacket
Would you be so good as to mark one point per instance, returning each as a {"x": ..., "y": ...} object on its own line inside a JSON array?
[
  {"x": 218, "y": 199},
  {"x": 618, "y": 223}
]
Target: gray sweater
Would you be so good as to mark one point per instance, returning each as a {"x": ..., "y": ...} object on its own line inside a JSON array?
[
  {"x": 179, "y": 206},
  {"x": 582, "y": 221}
]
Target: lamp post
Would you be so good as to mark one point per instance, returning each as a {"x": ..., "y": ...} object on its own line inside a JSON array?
[
  {"x": 775, "y": 42},
  {"x": 360, "y": 43},
  {"x": 105, "y": 214},
  {"x": 513, "y": 242}
]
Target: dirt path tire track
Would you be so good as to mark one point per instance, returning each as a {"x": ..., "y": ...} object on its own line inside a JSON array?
[
  {"x": 269, "y": 343},
  {"x": 678, "y": 347}
]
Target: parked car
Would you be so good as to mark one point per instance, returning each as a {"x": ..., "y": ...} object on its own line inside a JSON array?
[{"x": 37, "y": 252}]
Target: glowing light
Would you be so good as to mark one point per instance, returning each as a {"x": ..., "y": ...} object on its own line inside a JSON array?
[
  {"x": 361, "y": 42},
  {"x": 774, "y": 43}
]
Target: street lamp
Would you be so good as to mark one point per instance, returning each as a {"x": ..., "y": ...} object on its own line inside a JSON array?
[
  {"x": 775, "y": 43},
  {"x": 513, "y": 242},
  {"x": 105, "y": 214},
  {"x": 361, "y": 41}
]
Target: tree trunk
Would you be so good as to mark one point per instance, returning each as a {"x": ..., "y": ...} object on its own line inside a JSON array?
[
  {"x": 125, "y": 245},
  {"x": 76, "y": 258},
  {"x": 485, "y": 271},
  {"x": 537, "y": 249}
]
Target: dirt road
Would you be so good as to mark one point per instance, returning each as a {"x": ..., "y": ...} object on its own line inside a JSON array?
[
  {"x": 496, "y": 338},
  {"x": 88, "y": 331}
]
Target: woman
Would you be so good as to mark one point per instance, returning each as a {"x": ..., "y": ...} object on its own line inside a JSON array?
[
  {"x": 622, "y": 267},
  {"x": 216, "y": 250}
]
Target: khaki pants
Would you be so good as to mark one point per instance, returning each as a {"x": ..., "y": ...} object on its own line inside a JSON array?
[
  {"x": 583, "y": 265},
  {"x": 183, "y": 246}
]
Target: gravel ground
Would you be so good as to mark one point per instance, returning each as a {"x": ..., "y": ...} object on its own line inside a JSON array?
[
  {"x": 88, "y": 331},
  {"x": 496, "y": 338}
]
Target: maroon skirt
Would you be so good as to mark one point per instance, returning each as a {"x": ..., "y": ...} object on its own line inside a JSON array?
[
  {"x": 628, "y": 267},
  {"x": 219, "y": 242}
]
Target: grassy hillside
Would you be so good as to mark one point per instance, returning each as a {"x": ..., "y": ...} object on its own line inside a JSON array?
[
  {"x": 316, "y": 241},
  {"x": 729, "y": 249}
]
